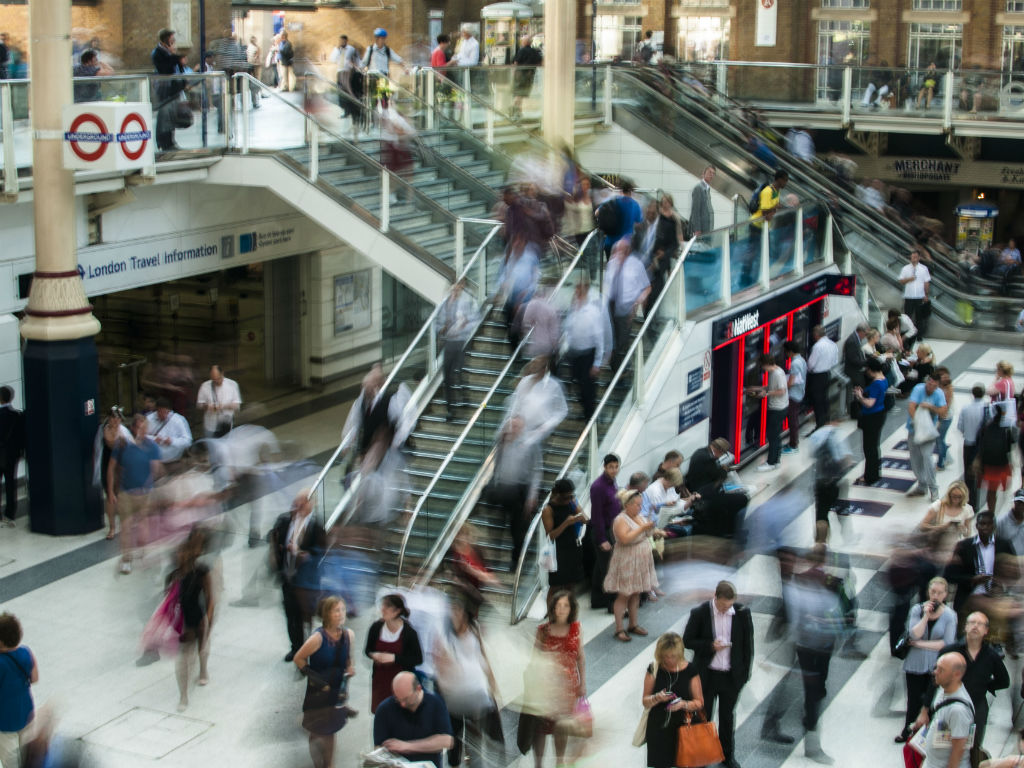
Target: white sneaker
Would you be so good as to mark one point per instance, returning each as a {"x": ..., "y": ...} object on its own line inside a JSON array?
[
  {"x": 933, "y": 494},
  {"x": 126, "y": 567},
  {"x": 766, "y": 467}
]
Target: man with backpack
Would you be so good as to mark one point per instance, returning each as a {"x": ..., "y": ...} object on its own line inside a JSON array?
[
  {"x": 762, "y": 207},
  {"x": 992, "y": 457},
  {"x": 617, "y": 216},
  {"x": 377, "y": 61},
  {"x": 949, "y": 739}
]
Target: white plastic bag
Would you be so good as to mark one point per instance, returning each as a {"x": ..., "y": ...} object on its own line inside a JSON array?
[
  {"x": 548, "y": 556},
  {"x": 924, "y": 428}
]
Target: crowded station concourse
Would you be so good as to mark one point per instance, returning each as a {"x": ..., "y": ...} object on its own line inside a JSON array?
[{"x": 599, "y": 501}]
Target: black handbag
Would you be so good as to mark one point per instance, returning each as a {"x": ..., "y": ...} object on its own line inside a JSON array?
[
  {"x": 182, "y": 115},
  {"x": 902, "y": 648}
]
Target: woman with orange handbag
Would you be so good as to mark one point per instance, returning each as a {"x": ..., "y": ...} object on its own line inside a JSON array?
[{"x": 672, "y": 693}]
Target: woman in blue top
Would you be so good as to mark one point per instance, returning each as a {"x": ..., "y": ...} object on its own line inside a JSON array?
[
  {"x": 326, "y": 661},
  {"x": 18, "y": 671},
  {"x": 872, "y": 418}
]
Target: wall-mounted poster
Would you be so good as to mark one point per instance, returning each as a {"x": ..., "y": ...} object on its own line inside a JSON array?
[
  {"x": 766, "y": 23},
  {"x": 352, "y": 301},
  {"x": 181, "y": 22}
]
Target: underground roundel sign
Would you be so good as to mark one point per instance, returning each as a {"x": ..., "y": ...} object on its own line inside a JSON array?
[{"x": 107, "y": 135}]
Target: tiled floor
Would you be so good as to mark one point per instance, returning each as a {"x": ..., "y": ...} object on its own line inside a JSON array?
[{"x": 84, "y": 622}]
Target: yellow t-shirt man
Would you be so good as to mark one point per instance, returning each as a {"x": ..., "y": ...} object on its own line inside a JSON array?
[{"x": 768, "y": 201}]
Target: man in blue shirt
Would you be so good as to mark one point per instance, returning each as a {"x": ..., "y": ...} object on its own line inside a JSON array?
[
  {"x": 925, "y": 395},
  {"x": 413, "y": 723},
  {"x": 138, "y": 464},
  {"x": 629, "y": 215}
]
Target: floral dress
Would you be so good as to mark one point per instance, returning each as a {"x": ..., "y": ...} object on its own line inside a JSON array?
[{"x": 566, "y": 653}]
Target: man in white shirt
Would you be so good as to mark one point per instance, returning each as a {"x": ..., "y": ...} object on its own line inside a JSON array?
[
  {"x": 345, "y": 58},
  {"x": 627, "y": 287},
  {"x": 916, "y": 280},
  {"x": 219, "y": 399},
  {"x": 1011, "y": 524},
  {"x": 587, "y": 337},
  {"x": 823, "y": 358},
  {"x": 458, "y": 318},
  {"x": 468, "y": 54},
  {"x": 169, "y": 430}
]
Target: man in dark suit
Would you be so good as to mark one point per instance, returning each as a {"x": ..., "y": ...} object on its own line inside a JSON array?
[
  {"x": 721, "y": 634},
  {"x": 702, "y": 213},
  {"x": 12, "y": 446},
  {"x": 973, "y": 567},
  {"x": 166, "y": 62},
  {"x": 297, "y": 542},
  {"x": 854, "y": 358},
  {"x": 705, "y": 465}
]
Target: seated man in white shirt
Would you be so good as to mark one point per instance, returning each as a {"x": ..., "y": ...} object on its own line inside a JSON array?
[{"x": 169, "y": 430}]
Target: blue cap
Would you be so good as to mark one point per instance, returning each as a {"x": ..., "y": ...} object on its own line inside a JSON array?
[{"x": 380, "y": 32}]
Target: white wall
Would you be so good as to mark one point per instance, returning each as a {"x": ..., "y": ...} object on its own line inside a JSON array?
[
  {"x": 350, "y": 350},
  {"x": 10, "y": 358},
  {"x": 616, "y": 151}
]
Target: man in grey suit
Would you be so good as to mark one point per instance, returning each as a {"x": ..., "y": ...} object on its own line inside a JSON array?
[
  {"x": 702, "y": 214},
  {"x": 854, "y": 358}
]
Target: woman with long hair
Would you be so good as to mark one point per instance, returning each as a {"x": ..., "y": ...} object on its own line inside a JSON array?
[
  {"x": 196, "y": 597},
  {"x": 949, "y": 519},
  {"x": 326, "y": 661}
]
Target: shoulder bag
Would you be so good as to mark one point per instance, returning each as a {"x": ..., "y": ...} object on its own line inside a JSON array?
[
  {"x": 640, "y": 736},
  {"x": 698, "y": 744}
]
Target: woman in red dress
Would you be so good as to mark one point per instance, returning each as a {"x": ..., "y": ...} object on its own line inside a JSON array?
[
  {"x": 561, "y": 638},
  {"x": 393, "y": 646}
]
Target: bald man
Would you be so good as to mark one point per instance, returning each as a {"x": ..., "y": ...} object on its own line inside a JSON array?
[
  {"x": 950, "y": 717},
  {"x": 413, "y": 723}
]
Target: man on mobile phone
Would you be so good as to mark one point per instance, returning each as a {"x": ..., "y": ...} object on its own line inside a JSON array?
[{"x": 721, "y": 634}]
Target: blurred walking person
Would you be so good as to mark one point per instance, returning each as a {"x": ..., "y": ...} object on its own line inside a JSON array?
[
  {"x": 18, "y": 672},
  {"x": 134, "y": 466},
  {"x": 458, "y": 317},
  {"x": 296, "y": 541},
  {"x": 516, "y": 480},
  {"x": 198, "y": 601},
  {"x": 111, "y": 433},
  {"x": 587, "y": 336}
]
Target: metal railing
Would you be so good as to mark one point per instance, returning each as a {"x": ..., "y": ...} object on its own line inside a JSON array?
[
  {"x": 465, "y": 506},
  {"x": 425, "y": 343}
]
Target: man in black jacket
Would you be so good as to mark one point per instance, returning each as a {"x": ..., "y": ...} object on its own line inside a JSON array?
[
  {"x": 297, "y": 541},
  {"x": 986, "y": 673},
  {"x": 721, "y": 634},
  {"x": 12, "y": 446},
  {"x": 854, "y": 359},
  {"x": 705, "y": 465},
  {"x": 972, "y": 568},
  {"x": 165, "y": 62}
]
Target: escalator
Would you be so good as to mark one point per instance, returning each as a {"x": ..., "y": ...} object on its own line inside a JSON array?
[{"x": 693, "y": 128}]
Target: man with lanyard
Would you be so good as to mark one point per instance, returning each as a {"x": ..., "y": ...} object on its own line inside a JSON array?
[
  {"x": 916, "y": 280},
  {"x": 169, "y": 430},
  {"x": 823, "y": 358},
  {"x": 377, "y": 62},
  {"x": 950, "y": 736},
  {"x": 767, "y": 206},
  {"x": 219, "y": 398}
]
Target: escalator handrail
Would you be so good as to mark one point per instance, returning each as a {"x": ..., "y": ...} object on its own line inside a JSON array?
[
  {"x": 852, "y": 206},
  {"x": 462, "y": 510},
  {"x": 627, "y": 359},
  {"x": 818, "y": 181},
  {"x": 467, "y": 178},
  {"x": 427, "y": 326},
  {"x": 364, "y": 159}
]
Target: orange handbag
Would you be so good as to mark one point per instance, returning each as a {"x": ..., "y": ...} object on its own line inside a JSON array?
[{"x": 698, "y": 744}]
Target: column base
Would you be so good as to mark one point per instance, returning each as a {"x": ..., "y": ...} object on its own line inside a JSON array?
[{"x": 61, "y": 411}]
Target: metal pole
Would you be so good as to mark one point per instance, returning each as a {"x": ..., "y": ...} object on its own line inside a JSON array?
[
  {"x": 947, "y": 101},
  {"x": 202, "y": 63},
  {"x": 430, "y": 99},
  {"x": 385, "y": 200},
  {"x": 314, "y": 151},
  {"x": 847, "y": 94},
  {"x": 726, "y": 296},
  {"x": 460, "y": 246},
  {"x": 10, "y": 162},
  {"x": 245, "y": 125},
  {"x": 765, "y": 277},
  {"x": 608, "y": 95},
  {"x": 798, "y": 247}
]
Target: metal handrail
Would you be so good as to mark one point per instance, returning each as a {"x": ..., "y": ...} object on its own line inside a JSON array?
[
  {"x": 462, "y": 510},
  {"x": 675, "y": 274},
  {"x": 819, "y": 186},
  {"x": 451, "y": 453},
  {"x": 363, "y": 158},
  {"x": 427, "y": 326}
]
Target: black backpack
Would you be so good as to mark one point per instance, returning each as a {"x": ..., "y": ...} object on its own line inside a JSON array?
[
  {"x": 609, "y": 217},
  {"x": 994, "y": 442},
  {"x": 754, "y": 205}
]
